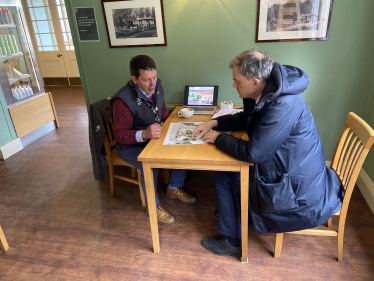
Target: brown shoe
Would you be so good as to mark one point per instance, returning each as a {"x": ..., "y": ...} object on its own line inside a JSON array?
[
  {"x": 181, "y": 195},
  {"x": 163, "y": 217}
]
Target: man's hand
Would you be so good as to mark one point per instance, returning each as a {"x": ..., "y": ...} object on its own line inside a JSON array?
[
  {"x": 210, "y": 136},
  {"x": 204, "y": 128},
  {"x": 152, "y": 132}
]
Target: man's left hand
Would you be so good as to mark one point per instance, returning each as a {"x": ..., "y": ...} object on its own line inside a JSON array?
[{"x": 210, "y": 136}]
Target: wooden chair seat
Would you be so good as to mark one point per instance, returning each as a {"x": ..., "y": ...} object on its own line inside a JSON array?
[
  {"x": 350, "y": 152},
  {"x": 113, "y": 158}
]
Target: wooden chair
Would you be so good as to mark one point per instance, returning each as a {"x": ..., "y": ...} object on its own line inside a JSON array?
[
  {"x": 113, "y": 158},
  {"x": 14, "y": 62},
  {"x": 3, "y": 243},
  {"x": 350, "y": 152}
]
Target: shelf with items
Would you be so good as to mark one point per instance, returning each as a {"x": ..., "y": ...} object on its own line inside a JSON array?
[
  {"x": 18, "y": 57},
  {"x": 4, "y": 58},
  {"x": 5, "y": 16},
  {"x": 14, "y": 80},
  {"x": 7, "y": 25}
]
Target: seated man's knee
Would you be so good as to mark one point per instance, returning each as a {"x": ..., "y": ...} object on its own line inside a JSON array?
[{"x": 222, "y": 179}]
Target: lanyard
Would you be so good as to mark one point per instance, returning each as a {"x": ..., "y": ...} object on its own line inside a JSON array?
[{"x": 154, "y": 109}]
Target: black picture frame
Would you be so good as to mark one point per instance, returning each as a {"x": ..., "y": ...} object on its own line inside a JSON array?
[
  {"x": 293, "y": 20},
  {"x": 134, "y": 23}
]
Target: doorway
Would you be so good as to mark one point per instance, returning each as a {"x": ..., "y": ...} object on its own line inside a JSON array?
[{"x": 51, "y": 36}]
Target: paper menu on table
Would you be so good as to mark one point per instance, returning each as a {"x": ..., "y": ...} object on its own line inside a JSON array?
[
  {"x": 226, "y": 112},
  {"x": 180, "y": 133}
]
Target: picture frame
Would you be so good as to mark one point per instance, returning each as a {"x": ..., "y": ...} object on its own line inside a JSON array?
[
  {"x": 138, "y": 23},
  {"x": 293, "y": 20}
]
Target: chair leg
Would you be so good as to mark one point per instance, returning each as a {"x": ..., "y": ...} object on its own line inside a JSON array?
[
  {"x": 111, "y": 178},
  {"x": 133, "y": 172},
  {"x": 329, "y": 222},
  {"x": 166, "y": 175},
  {"x": 278, "y": 244},
  {"x": 340, "y": 245},
  {"x": 3, "y": 243},
  {"x": 141, "y": 189}
]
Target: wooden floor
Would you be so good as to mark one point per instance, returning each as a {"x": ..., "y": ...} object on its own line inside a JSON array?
[{"x": 61, "y": 224}]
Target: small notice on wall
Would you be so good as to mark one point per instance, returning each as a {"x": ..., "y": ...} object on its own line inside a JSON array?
[{"x": 86, "y": 23}]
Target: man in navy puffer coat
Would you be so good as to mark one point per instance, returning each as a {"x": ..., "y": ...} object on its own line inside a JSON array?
[{"x": 290, "y": 187}]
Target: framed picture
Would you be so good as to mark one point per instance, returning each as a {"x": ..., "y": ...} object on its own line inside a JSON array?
[
  {"x": 138, "y": 23},
  {"x": 293, "y": 20}
]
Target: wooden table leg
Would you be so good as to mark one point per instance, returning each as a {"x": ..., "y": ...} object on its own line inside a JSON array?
[
  {"x": 244, "y": 181},
  {"x": 150, "y": 190},
  {"x": 3, "y": 243}
]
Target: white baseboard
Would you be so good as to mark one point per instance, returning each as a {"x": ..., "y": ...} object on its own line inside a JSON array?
[
  {"x": 10, "y": 148},
  {"x": 366, "y": 186}
]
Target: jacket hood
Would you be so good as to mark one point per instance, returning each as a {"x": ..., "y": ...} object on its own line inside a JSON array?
[{"x": 285, "y": 80}]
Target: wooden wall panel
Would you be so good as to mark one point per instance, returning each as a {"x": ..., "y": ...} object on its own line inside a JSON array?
[{"x": 32, "y": 114}]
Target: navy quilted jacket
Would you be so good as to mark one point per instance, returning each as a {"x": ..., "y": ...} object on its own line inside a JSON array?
[{"x": 290, "y": 186}]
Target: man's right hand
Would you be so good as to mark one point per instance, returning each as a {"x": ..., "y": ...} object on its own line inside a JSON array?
[
  {"x": 202, "y": 129},
  {"x": 152, "y": 132}
]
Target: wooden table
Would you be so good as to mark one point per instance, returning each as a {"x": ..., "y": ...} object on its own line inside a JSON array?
[{"x": 191, "y": 157}]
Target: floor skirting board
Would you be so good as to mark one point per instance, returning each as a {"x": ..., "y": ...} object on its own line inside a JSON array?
[{"x": 366, "y": 186}]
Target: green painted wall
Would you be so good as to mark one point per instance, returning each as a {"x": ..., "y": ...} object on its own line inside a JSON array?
[
  {"x": 369, "y": 162},
  {"x": 204, "y": 35},
  {"x": 7, "y": 132}
]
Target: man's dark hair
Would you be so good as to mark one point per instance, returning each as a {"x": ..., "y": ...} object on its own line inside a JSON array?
[
  {"x": 254, "y": 63},
  {"x": 141, "y": 62}
]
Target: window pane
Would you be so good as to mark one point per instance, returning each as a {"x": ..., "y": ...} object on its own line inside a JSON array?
[
  {"x": 65, "y": 39},
  {"x": 29, "y": 3},
  {"x": 35, "y": 27},
  {"x": 64, "y": 23},
  {"x": 48, "y": 48},
  {"x": 38, "y": 3},
  {"x": 56, "y": 48},
  {"x": 46, "y": 39},
  {"x": 32, "y": 14},
  {"x": 44, "y": 27},
  {"x": 62, "y": 26},
  {"x": 59, "y": 12},
  {"x": 40, "y": 48},
  {"x": 38, "y": 39},
  {"x": 64, "y": 12},
  {"x": 54, "y": 39},
  {"x": 42, "y": 13},
  {"x": 58, "y": 2},
  {"x": 70, "y": 38},
  {"x": 67, "y": 25}
]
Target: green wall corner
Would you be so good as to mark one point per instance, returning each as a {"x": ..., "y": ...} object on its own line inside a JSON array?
[{"x": 204, "y": 35}]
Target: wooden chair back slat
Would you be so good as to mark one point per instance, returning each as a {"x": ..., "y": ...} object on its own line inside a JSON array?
[
  {"x": 341, "y": 153},
  {"x": 354, "y": 167},
  {"x": 338, "y": 148},
  {"x": 355, "y": 136},
  {"x": 352, "y": 161},
  {"x": 346, "y": 155}
]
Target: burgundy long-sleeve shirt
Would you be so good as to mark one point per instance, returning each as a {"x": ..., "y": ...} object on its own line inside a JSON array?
[{"x": 123, "y": 119}]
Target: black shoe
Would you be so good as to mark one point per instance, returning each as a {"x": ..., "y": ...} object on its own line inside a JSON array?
[
  {"x": 222, "y": 247},
  {"x": 216, "y": 213}
]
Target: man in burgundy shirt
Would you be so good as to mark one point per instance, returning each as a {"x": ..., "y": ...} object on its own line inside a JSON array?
[{"x": 139, "y": 110}]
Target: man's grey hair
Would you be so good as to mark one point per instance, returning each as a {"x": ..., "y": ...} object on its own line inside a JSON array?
[{"x": 254, "y": 64}]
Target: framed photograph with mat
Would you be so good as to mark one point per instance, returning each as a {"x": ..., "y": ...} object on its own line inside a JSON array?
[
  {"x": 138, "y": 23},
  {"x": 293, "y": 20}
]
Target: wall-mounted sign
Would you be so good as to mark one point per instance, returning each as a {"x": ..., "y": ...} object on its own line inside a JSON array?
[{"x": 86, "y": 23}]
